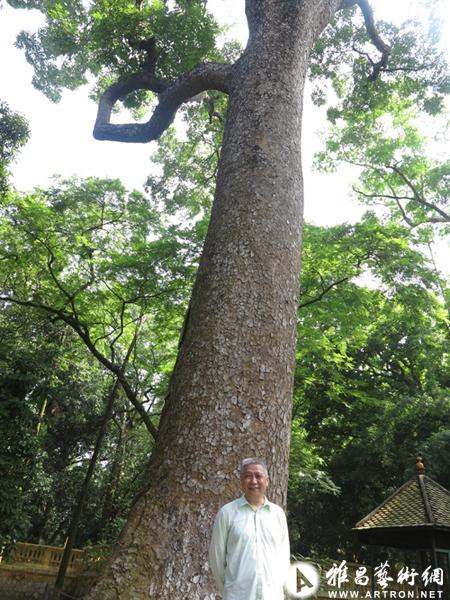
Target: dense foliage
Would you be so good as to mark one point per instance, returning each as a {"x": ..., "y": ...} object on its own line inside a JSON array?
[{"x": 372, "y": 388}]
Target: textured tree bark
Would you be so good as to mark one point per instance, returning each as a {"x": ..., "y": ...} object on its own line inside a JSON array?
[{"x": 231, "y": 390}]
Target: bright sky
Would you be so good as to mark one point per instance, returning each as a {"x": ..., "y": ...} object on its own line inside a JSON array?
[{"x": 61, "y": 134}]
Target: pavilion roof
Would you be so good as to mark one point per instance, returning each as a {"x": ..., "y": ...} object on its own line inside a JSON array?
[{"x": 420, "y": 502}]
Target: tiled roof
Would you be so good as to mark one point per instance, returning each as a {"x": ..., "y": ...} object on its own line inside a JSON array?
[
  {"x": 439, "y": 499},
  {"x": 420, "y": 501}
]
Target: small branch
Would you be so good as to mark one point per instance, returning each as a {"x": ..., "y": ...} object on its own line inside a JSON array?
[
  {"x": 327, "y": 288},
  {"x": 32, "y": 304},
  {"x": 103, "y": 223},
  {"x": 389, "y": 196},
  {"x": 117, "y": 370},
  {"x": 9, "y": 256},
  {"x": 121, "y": 329},
  {"x": 419, "y": 198},
  {"x": 379, "y": 44},
  {"x": 205, "y": 76},
  {"x": 362, "y": 53},
  {"x": 392, "y": 196},
  {"x": 408, "y": 69},
  {"x": 209, "y": 102},
  {"x": 149, "y": 46},
  {"x": 407, "y": 220},
  {"x": 50, "y": 260},
  {"x": 325, "y": 291}
]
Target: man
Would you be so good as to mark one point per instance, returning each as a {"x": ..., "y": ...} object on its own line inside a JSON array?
[{"x": 249, "y": 550}]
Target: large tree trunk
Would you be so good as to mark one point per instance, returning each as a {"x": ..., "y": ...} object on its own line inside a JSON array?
[{"x": 231, "y": 390}]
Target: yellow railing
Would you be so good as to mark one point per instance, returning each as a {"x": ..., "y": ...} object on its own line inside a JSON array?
[{"x": 41, "y": 558}]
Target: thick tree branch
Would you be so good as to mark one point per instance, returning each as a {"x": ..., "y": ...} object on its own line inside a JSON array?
[
  {"x": 206, "y": 76},
  {"x": 379, "y": 44}
]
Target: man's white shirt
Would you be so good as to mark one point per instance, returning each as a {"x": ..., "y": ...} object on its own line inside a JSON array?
[{"x": 249, "y": 551}]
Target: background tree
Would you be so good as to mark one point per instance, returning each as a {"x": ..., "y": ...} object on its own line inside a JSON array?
[
  {"x": 14, "y": 133},
  {"x": 371, "y": 386},
  {"x": 21, "y": 463},
  {"x": 399, "y": 170},
  {"x": 77, "y": 252},
  {"x": 63, "y": 267},
  {"x": 402, "y": 160},
  {"x": 18, "y": 462},
  {"x": 52, "y": 397}
]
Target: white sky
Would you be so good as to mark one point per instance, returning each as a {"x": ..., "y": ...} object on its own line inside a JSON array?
[{"x": 61, "y": 134}]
